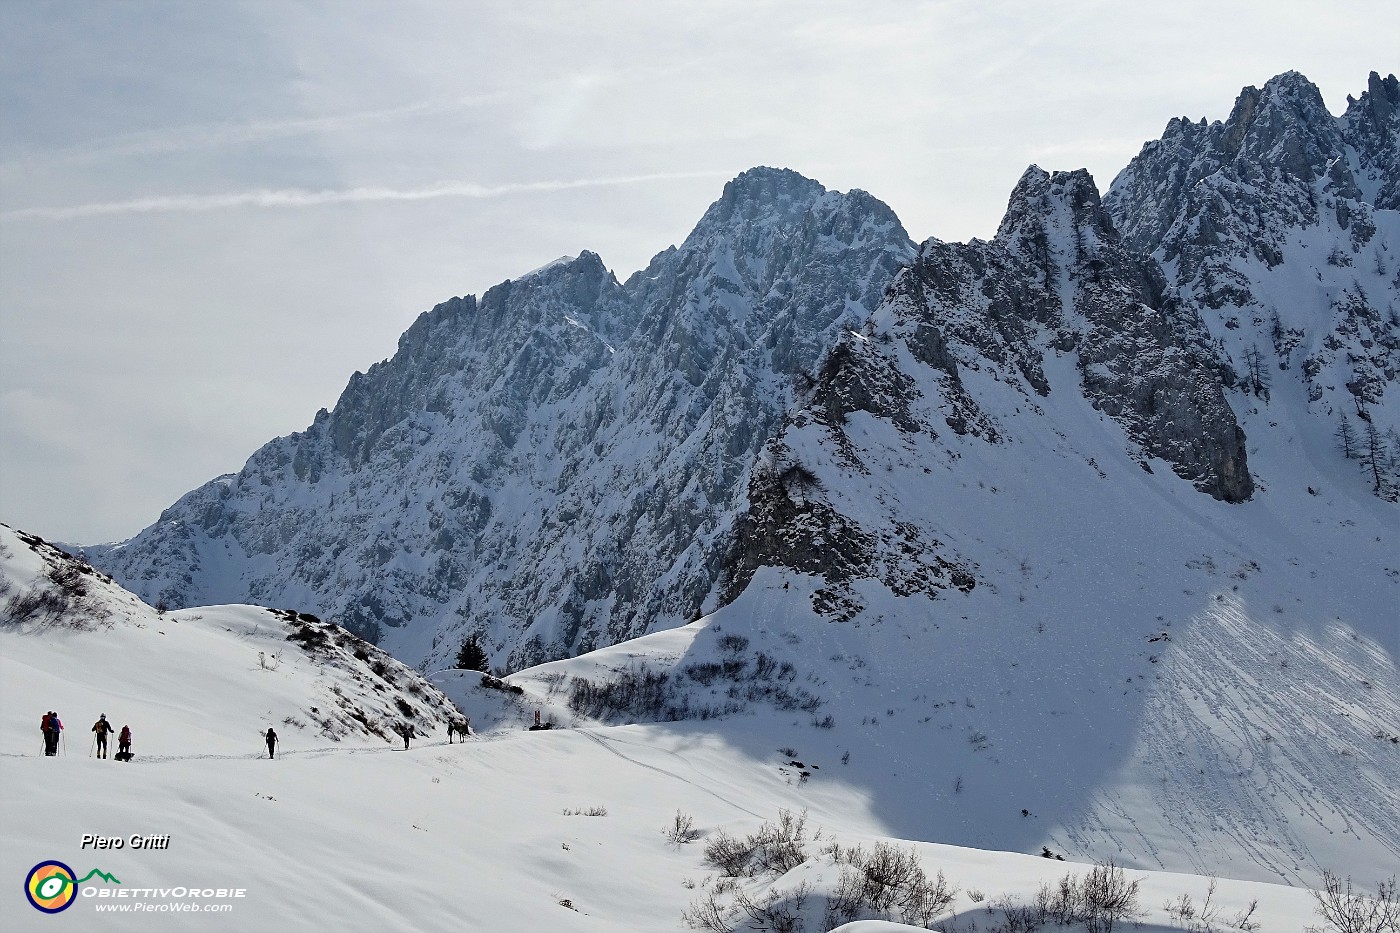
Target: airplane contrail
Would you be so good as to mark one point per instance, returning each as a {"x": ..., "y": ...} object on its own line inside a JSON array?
[{"x": 302, "y": 197}]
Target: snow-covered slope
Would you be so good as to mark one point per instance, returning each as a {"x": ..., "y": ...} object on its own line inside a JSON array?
[
  {"x": 105, "y": 650},
  {"x": 511, "y": 831},
  {"x": 984, "y": 511},
  {"x": 555, "y": 465}
]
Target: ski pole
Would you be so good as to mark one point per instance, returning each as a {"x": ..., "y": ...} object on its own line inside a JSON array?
[{"x": 92, "y": 745}]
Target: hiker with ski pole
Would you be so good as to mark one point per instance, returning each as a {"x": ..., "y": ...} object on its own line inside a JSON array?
[{"x": 100, "y": 730}]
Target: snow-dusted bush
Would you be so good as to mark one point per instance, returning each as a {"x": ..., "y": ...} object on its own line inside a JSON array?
[
  {"x": 1099, "y": 900},
  {"x": 1206, "y": 918},
  {"x": 887, "y": 881},
  {"x": 775, "y": 849},
  {"x": 682, "y": 829},
  {"x": 1345, "y": 910},
  {"x": 643, "y": 693}
]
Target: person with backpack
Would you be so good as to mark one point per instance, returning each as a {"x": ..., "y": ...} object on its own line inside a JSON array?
[
  {"x": 271, "y": 742},
  {"x": 102, "y": 728},
  {"x": 124, "y": 744},
  {"x": 406, "y": 730},
  {"x": 52, "y": 727}
]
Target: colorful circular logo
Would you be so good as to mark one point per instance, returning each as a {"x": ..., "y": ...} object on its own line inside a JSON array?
[{"x": 51, "y": 887}]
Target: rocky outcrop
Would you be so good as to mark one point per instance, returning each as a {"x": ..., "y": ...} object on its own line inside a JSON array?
[
  {"x": 1279, "y": 224},
  {"x": 555, "y": 465}
]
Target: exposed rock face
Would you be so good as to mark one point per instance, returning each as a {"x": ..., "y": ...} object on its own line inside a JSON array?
[
  {"x": 1279, "y": 224},
  {"x": 555, "y": 465},
  {"x": 1371, "y": 126},
  {"x": 1055, "y": 282}
]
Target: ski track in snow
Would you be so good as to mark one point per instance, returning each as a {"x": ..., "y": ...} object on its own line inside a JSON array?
[
  {"x": 1230, "y": 775},
  {"x": 589, "y": 734}
]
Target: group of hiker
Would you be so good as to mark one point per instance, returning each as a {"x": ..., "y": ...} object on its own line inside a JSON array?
[
  {"x": 456, "y": 727},
  {"x": 52, "y": 728}
]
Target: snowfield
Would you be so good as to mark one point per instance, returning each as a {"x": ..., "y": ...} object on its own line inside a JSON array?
[{"x": 512, "y": 830}]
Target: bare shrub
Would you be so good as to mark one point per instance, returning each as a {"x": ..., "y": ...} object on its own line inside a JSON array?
[
  {"x": 776, "y": 849},
  {"x": 847, "y": 901},
  {"x": 34, "y": 604},
  {"x": 886, "y": 872},
  {"x": 775, "y": 911},
  {"x": 681, "y": 830},
  {"x": 1348, "y": 911},
  {"x": 733, "y": 644},
  {"x": 1099, "y": 900},
  {"x": 780, "y": 847},
  {"x": 1108, "y": 897},
  {"x": 1017, "y": 918},
  {"x": 1206, "y": 918},
  {"x": 886, "y": 880},
  {"x": 925, "y": 899},
  {"x": 709, "y": 913},
  {"x": 728, "y": 855}
]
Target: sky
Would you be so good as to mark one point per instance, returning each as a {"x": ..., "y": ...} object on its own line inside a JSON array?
[{"x": 212, "y": 214}]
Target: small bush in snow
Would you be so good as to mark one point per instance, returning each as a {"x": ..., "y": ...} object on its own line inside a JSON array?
[
  {"x": 1099, "y": 900},
  {"x": 682, "y": 829},
  {"x": 775, "y": 849},
  {"x": 774, "y": 911},
  {"x": 887, "y": 881},
  {"x": 733, "y": 644},
  {"x": 1347, "y": 911},
  {"x": 1206, "y": 918}
]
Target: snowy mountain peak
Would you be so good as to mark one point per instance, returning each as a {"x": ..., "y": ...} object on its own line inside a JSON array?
[
  {"x": 1280, "y": 225},
  {"x": 1371, "y": 125},
  {"x": 1059, "y": 213},
  {"x": 763, "y": 194},
  {"x": 1285, "y": 126},
  {"x": 555, "y": 465}
]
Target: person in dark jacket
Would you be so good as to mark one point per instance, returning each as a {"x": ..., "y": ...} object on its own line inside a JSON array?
[
  {"x": 124, "y": 744},
  {"x": 271, "y": 742},
  {"x": 102, "y": 728},
  {"x": 53, "y": 731}
]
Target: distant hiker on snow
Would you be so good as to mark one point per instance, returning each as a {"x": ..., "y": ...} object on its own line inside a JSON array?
[
  {"x": 102, "y": 728},
  {"x": 271, "y": 742},
  {"x": 406, "y": 730},
  {"x": 52, "y": 728},
  {"x": 462, "y": 727},
  {"x": 124, "y": 745}
]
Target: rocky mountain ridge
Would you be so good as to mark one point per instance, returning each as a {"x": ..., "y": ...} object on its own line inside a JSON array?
[
  {"x": 570, "y": 461},
  {"x": 554, "y": 465}
]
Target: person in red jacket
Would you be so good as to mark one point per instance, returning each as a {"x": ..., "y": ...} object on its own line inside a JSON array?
[
  {"x": 52, "y": 727},
  {"x": 124, "y": 744}
]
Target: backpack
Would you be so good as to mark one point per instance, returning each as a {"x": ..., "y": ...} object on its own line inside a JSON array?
[{"x": 126, "y": 734}]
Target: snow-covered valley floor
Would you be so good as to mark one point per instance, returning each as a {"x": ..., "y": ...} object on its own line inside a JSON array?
[{"x": 559, "y": 829}]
